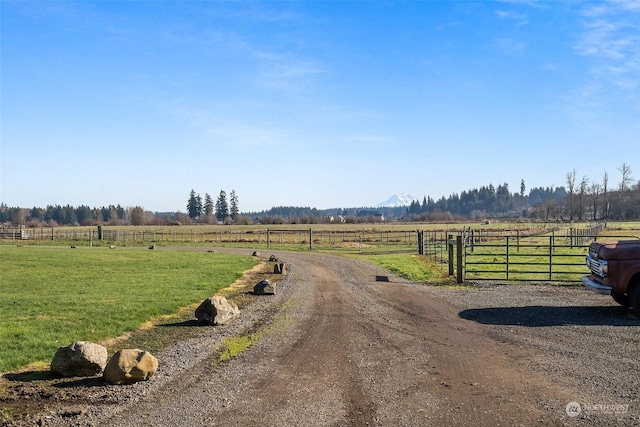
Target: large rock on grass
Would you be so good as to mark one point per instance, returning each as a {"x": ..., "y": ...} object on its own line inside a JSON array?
[
  {"x": 129, "y": 366},
  {"x": 217, "y": 310},
  {"x": 79, "y": 359}
]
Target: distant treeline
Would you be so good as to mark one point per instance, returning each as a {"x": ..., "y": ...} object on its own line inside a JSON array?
[{"x": 577, "y": 201}]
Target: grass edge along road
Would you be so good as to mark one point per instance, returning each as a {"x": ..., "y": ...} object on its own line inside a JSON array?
[{"x": 50, "y": 297}]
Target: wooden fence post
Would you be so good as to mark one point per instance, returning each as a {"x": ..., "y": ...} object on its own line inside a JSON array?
[
  {"x": 459, "y": 278},
  {"x": 473, "y": 240}
]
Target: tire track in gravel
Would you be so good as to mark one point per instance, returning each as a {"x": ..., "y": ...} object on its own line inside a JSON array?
[{"x": 315, "y": 375}]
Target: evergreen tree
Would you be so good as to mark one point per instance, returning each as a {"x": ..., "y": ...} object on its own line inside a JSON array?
[
  {"x": 193, "y": 206},
  {"x": 234, "y": 204},
  {"x": 208, "y": 205},
  {"x": 199, "y": 207},
  {"x": 84, "y": 214},
  {"x": 37, "y": 214},
  {"x": 120, "y": 211},
  {"x": 222, "y": 208}
]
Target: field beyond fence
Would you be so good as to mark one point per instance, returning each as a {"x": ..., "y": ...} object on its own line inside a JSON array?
[{"x": 488, "y": 251}]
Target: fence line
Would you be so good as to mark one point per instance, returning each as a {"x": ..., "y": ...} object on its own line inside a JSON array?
[
  {"x": 545, "y": 254},
  {"x": 348, "y": 240}
]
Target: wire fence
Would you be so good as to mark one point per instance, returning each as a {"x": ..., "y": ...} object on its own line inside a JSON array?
[
  {"x": 538, "y": 254},
  {"x": 363, "y": 241}
]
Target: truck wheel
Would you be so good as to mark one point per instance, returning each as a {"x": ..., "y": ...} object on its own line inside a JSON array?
[
  {"x": 622, "y": 299},
  {"x": 634, "y": 298}
]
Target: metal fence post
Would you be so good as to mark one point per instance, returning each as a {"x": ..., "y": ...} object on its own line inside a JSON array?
[
  {"x": 551, "y": 243},
  {"x": 507, "y": 266},
  {"x": 450, "y": 254}
]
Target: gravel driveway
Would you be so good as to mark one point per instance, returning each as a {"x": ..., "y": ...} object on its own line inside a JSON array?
[{"x": 351, "y": 345}]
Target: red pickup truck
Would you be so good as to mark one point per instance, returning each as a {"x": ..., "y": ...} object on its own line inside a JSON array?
[{"x": 615, "y": 271}]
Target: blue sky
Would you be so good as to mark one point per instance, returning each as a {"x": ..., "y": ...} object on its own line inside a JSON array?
[{"x": 323, "y": 104}]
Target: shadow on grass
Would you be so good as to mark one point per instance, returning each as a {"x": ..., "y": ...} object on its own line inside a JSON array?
[
  {"x": 184, "y": 324},
  {"x": 541, "y": 316},
  {"x": 28, "y": 376}
]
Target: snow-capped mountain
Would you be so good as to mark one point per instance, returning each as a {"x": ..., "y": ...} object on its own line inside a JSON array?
[{"x": 402, "y": 199}]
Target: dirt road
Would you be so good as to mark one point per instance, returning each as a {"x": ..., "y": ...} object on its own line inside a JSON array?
[
  {"x": 363, "y": 348},
  {"x": 351, "y": 345}
]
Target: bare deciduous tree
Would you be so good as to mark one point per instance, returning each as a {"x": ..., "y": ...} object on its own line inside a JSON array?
[
  {"x": 582, "y": 194},
  {"x": 571, "y": 184},
  {"x": 625, "y": 182},
  {"x": 605, "y": 196},
  {"x": 595, "y": 196}
]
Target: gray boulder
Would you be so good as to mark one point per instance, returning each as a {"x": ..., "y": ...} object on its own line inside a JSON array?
[
  {"x": 265, "y": 287},
  {"x": 217, "y": 310},
  {"x": 279, "y": 268},
  {"x": 79, "y": 359}
]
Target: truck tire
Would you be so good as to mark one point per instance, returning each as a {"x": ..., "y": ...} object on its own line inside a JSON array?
[
  {"x": 622, "y": 299},
  {"x": 634, "y": 297}
]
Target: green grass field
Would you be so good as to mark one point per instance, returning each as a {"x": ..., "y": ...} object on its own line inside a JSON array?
[{"x": 50, "y": 297}]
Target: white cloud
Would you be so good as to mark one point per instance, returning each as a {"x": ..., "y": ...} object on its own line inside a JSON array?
[
  {"x": 285, "y": 71},
  {"x": 610, "y": 43},
  {"x": 608, "y": 39},
  {"x": 520, "y": 18},
  {"x": 629, "y": 5}
]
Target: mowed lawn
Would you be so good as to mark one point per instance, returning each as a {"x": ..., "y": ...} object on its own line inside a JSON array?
[{"x": 50, "y": 297}]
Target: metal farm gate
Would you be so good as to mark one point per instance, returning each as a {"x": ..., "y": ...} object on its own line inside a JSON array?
[
  {"x": 511, "y": 255},
  {"x": 526, "y": 258}
]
